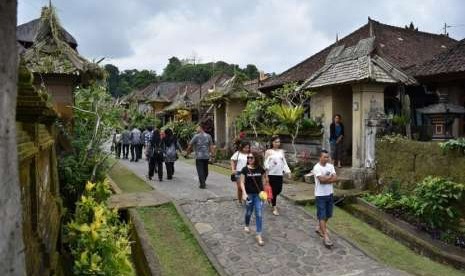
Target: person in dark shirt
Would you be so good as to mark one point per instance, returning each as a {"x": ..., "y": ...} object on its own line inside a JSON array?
[
  {"x": 253, "y": 178},
  {"x": 336, "y": 140},
  {"x": 156, "y": 155}
]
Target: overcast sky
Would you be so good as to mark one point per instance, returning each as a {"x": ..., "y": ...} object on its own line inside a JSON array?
[{"x": 272, "y": 34}]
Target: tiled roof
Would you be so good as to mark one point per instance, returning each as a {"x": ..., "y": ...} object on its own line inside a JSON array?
[
  {"x": 402, "y": 47},
  {"x": 451, "y": 61}
]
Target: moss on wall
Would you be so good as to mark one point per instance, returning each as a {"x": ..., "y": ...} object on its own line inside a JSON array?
[{"x": 410, "y": 161}]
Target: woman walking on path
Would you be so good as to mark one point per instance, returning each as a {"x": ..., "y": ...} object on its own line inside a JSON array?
[
  {"x": 253, "y": 179},
  {"x": 276, "y": 165},
  {"x": 238, "y": 162},
  {"x": 171, "y": 147},
  {"x": 336, "y": 140},
  {"x": 156, "y": 153}
]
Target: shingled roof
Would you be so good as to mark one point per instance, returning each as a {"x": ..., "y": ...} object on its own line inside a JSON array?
[
  {"x": 356, "y": 63},
  {"x": 449, "y": 62},
  {"x": 232, "y": 89},
  {"x": 201, "y": 92},
  {"x": 401, "y": 47}
]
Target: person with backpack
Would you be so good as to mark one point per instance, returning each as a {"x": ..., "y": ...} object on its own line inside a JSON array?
[
  {"x": 147, "y": 137},
  {"x": 136, "y": 142},
  {"x": 156, "y": 155},
  {"x": 171, "y": 147},
  {"x": 117, "y": 138},
  {"x": 126, "y": 141}
]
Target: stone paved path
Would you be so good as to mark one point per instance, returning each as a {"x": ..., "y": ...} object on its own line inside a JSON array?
[{"x": 292, "y": 247}]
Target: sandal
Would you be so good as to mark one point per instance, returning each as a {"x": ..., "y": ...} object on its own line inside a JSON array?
[{"x": 319, "y": 233}]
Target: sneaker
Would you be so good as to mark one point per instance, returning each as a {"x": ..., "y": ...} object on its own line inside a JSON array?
[
  {"x": 260, "y": 240},
  {"x": 328, "y": 242},
  {"x": 247, "y": 229},
  {"x": 275, "y": 212}
]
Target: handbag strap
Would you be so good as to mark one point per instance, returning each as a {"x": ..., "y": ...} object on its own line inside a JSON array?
[{"x": 254, "y": 181}]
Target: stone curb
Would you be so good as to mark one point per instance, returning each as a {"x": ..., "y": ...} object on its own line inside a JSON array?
[
  {"x": 152, "y": 264},
  {"x": 211, "y": 257}
]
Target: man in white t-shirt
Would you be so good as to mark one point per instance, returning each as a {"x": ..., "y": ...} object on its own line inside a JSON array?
[{"x": 325, "y": 176}]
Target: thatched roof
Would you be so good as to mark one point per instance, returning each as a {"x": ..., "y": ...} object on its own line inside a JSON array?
[
  {"x": 50, "y": 52},
  {"x": 26, "y": 33}
]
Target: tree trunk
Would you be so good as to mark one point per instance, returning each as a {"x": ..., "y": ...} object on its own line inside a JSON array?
[{"x": 11, "y": 237}]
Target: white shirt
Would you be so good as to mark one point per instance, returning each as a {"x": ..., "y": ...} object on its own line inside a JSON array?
[
  {"x": 275, "y": 162},
  {"x": 241, "y": 161},
  {"x": 319, "y": 170}
]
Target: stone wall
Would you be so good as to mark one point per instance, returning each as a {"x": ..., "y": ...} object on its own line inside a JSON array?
[
  {"x": 38, "y": 178},
  {"x": 11, "y": 242},
  {"x": 410, "y": 161}
]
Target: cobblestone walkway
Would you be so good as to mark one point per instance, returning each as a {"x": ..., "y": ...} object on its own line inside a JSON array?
[{"x": 291, "y": 245}]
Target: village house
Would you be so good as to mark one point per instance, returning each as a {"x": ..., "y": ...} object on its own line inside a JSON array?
[
  {"x": 444, "y": 77},
  {"x": 229, "y": 96},
  {"x": 365, "y": 77},
  {"x": 50, "y": 53}
]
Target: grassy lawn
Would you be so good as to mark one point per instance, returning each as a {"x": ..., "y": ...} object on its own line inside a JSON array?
[
  {"x": 211, "y": 167},
  {"x": 176, "y": 247},
  {"x": 382, "y": 247},
  {"x": 127, "y": 181}
]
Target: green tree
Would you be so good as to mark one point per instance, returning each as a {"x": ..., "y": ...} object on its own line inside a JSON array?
[
  {"x": 251, "y": 71},
  {"x": 112, "y": 79},
  {"x": 174, "y": 64}
]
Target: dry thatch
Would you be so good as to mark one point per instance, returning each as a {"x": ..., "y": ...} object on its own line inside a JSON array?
[{"x": 51, "y": 54}]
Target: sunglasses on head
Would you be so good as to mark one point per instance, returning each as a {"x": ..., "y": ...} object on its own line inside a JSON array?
[{"x": 250, "y": 157}]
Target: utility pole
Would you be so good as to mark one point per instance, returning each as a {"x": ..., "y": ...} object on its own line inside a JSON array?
[{"x": 445, "y": 29}]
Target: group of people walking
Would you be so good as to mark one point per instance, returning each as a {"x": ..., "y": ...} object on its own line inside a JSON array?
[
  {"x": 253, "y": 177},
  {"x": 253, "y": 173},
  {"x": 160, "y": 147}
]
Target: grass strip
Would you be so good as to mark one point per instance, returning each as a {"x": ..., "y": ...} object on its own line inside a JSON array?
[
  {"x": 211, "y": 167},
  {"x": 177, "y": 249},
  {"x": 383, "y": 247},
  {"x": 127, "y": 181}
]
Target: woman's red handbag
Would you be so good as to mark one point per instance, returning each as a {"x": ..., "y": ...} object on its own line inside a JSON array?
[{"x": 269, "y": 192}]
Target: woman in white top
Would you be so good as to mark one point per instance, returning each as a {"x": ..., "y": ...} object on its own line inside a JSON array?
[
  {"x": 238, "y": 162},
  {"x": 276, "y": 165}
]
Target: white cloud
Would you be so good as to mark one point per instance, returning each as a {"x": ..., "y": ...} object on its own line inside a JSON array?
[{"x": 272, "y": 34}]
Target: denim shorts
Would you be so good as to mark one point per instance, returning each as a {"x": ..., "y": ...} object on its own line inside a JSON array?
[{"x": 324, "y": 207}]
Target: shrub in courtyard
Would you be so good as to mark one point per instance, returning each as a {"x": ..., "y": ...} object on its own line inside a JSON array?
[
  {"x": 96, "y": 115},
  {"x": 454, "y": 144},
  {"x": 436, "y": 201},
  {"x": 97, "y": 239}
]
